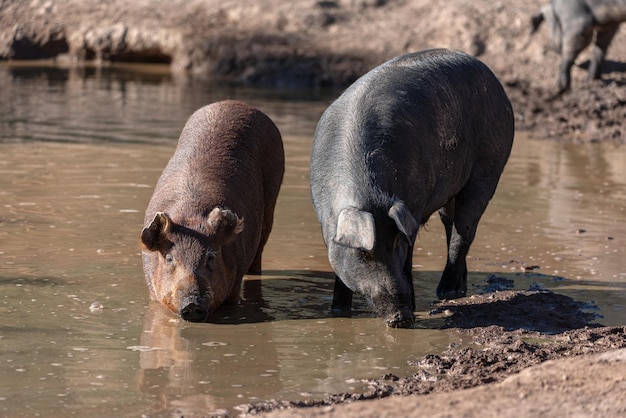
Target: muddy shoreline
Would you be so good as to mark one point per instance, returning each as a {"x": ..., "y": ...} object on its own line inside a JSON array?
[{"x": 496, "y": 335}]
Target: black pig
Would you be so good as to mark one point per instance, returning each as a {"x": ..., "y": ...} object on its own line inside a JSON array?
[{"x": 423, "y": 132}]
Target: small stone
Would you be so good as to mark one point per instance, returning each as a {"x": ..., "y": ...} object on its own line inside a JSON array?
[{"x": 96, "y": 307}]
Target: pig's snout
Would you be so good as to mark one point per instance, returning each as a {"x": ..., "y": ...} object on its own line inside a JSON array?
[
  {"x": 194, "y": 311},
  {"x": 402, "y": 318}
]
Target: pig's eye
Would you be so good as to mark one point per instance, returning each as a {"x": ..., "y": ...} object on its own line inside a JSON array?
[
  {"x": 209, "y": 260},
  {"x": 168, "y": 258}
]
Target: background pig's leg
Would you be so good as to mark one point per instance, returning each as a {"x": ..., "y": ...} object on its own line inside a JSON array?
[
  {"x": 604, "y": 36},
  {"x": 576, "y": 36}
]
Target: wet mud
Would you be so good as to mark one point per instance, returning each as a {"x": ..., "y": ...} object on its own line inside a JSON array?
[
  {"x": 591, "y": 113},
  {"x": 496, "y": 334}
]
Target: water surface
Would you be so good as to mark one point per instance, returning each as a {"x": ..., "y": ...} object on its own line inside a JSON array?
[{"x": 80, "y": 152}]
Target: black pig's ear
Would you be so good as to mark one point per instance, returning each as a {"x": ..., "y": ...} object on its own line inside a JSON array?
[
  {"x": 404, "y": 220},
  {"x": 356, "y": 229},
  {"x": 225, "y": 222},
  {"x": 154, "y": 234}
]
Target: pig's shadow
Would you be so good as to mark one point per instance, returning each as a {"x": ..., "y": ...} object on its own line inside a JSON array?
[
  {"x": 499, "y": 299},
  {"x": 294, "y": 295},
  {"x": 542, "y": 311},
  {"x": 609, "y": 67}
]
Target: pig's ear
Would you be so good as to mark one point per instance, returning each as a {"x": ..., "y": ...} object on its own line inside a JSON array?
[
  {"x": 153, "y": 234},
  {"x": 404, "y": 220},
  {"x": 226, "y": 222},
  {"x": 356, "y": 229}
]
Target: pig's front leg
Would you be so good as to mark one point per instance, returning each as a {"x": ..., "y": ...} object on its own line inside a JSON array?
[{"x": 342, "y": 299}]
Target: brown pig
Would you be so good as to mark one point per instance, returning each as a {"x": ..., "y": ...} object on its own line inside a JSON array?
[{"x": 212, "y": 209}]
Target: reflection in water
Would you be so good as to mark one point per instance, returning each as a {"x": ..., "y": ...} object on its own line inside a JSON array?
[
  {"x": 210, "y": 365},
  {"x": 80, "y": 152}
]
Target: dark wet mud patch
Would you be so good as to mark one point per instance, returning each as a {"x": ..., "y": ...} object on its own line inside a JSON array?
[
  {"x": 594, "y": 112},
  {"x": 541, "y": 311},
  {"x": 495, "y": 335}
]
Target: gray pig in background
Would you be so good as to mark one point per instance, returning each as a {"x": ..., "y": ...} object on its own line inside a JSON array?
[
  {"x": 423, "y": 132},
  {"x": 573, "y": 25}
]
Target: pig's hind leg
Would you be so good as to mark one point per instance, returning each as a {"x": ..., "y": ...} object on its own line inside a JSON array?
[
  {"x": 460, "y": 217},
  {"x": 603, "y": 39},
  {"x": 266, "y": 229},
  {"x": 577, "y": 34},
  {"x": 255, "y": 267},
  {"x": 455, "y": 273}
]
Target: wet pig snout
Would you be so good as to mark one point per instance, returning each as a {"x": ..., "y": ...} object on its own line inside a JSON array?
[
  {"x": 194, "y": 310},
  {"x": 403, "y": 318}
]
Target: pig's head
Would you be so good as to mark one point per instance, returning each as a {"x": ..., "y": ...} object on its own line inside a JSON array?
[
  {"x": 372, "y": 254},
  {"x": 185, "y": 264}
]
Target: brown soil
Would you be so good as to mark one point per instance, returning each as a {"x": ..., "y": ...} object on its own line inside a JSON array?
[{"x": 584, "y": 386}]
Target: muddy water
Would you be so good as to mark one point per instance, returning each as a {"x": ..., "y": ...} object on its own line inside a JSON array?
[{"x": 80, "y": 151}]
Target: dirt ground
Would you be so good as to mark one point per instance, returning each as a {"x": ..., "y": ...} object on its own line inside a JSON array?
[{"x": 551, "y": 389}]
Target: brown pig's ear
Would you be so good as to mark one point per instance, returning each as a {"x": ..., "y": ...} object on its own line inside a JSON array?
[
  {"x": 153, "y": 234},
  {"x": 226, "y": 223}
]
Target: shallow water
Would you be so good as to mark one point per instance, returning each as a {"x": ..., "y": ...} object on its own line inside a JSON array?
[{"x": 80, "y": 152}]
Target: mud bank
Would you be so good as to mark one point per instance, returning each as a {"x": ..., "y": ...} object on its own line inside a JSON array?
[
  {"x": 516, "y": 353},
  {"x": 307, "y": 43},
  {"x": 585, "y": 386}
]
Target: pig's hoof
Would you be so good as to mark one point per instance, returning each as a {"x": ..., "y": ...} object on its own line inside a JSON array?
[
  {"x": 401, "y": 319},
  {"x": 341, "y": 312},
  {"x": 194, "y": 313},
  {"x": 451, "y": 294}
]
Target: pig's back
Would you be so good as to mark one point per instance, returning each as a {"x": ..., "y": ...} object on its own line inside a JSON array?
[
  {"x": 405, "y": 125},
  {"x": 227, "y": 153}
]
